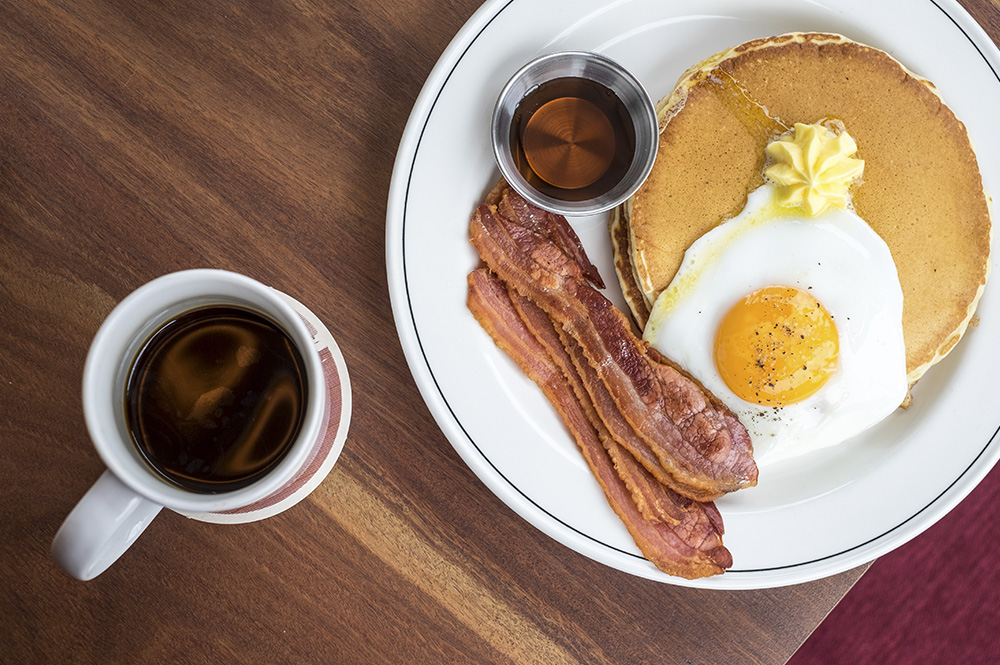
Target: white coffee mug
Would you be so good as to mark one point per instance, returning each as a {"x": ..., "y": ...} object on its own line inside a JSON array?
[{"x": 126, "y": 498}]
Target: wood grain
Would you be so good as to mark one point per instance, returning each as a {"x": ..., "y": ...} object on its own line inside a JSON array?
[{"x": 141, "y": 138}]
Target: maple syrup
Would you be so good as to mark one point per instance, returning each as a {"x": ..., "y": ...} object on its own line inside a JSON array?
[
  {"x": 572, "y": 138},
  {"x": 756, "y": 118}
]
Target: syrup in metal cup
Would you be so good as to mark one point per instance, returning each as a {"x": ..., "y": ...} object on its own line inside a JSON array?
[{"x": 574, "y": 133}]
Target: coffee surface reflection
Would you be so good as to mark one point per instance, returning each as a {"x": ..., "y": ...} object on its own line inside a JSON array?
[{"x": 215, "y": 398}]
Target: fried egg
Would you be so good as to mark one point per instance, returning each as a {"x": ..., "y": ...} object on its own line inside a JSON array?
[{"x": 794, "y": 322}]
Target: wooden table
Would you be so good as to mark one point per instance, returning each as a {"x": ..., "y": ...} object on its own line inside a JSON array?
[{"x": 138, "y": 139}]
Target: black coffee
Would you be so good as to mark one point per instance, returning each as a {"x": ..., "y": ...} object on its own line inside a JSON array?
[{"x": 215, "y": 398}]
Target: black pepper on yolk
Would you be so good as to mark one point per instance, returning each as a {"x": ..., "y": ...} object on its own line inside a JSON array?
[{"x": 776, "y": 346}]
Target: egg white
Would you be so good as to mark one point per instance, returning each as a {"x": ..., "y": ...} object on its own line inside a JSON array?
[{"x": 838, "y": 259}]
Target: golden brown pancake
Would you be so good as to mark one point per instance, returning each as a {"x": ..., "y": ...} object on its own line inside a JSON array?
[{"x": 921, "y": 189}]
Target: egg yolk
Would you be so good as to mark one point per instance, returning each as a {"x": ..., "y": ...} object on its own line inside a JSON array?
[{"x": 776, "y": 346}]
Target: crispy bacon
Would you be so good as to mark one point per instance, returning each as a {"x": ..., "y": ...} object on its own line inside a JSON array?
[
  {"x": 655, "y": 501},
  {"x": 686, "y": 541},
  {"x": 554, "y": 228},
  {"x": 700, "y": 448},
  {"x": 565, "y": 352}
]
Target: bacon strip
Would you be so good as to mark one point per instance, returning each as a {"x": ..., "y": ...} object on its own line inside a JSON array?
[
  {"x": 701, "y": 448},
  {"x": 690, "y": 546},
  {"x": 652, "y": 502},
  {"x": 554, "y": 228}
]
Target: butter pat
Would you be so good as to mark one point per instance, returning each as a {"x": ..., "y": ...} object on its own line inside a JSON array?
[{"x": 813, "y": 168}]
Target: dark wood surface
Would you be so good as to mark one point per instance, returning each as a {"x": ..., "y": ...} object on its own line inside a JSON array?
[{"x": 138, "y": 139}]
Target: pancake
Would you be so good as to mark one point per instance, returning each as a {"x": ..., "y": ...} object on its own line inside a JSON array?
[{"x": 921, "y": 189}]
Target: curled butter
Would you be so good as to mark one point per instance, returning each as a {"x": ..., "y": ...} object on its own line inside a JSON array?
[{"x": 813, "y": 168}]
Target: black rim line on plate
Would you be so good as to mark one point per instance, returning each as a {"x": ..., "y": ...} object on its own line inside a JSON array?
[{"x": 458, "y": 422}]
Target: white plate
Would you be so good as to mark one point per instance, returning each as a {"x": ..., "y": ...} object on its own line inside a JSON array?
[{"x": 818, "y": 516}]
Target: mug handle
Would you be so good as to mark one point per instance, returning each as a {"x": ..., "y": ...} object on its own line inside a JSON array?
[{"x": 99, "y": 529}]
